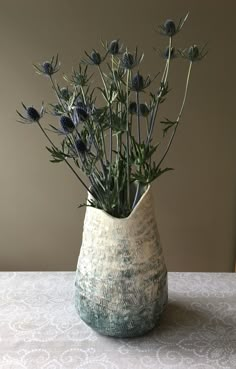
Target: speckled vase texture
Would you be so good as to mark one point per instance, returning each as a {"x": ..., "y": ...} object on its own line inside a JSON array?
[{"x": 121, "y": 278}]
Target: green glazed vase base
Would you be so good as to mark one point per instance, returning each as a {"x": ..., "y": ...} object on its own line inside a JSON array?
[{"x": 133, "y": 323}]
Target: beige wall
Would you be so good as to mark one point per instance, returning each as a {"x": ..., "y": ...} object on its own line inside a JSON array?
[{"x": 40, "y": 225}]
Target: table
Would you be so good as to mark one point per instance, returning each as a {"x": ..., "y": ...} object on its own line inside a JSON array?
[{"x": 39, "y": 327}]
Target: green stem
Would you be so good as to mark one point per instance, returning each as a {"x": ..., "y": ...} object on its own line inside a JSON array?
[
  {"x": 147, "y": 125},
  {"x": 58, "y": 96},
  {"x": 163, "y": 85},
  {"x": 139, "y": 141},
  {"x": 118, "y": 172},
  {"x": 168, "y": 61},
  {"x": 83, "y": 95},
  {"x": 138, "y": 118},
  {"x": 110, "y": 114},
  {"x": 179, "y": 116},
  {"x": 127, "y": 142}
]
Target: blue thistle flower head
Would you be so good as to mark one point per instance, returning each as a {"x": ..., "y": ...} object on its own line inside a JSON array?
[
  {"x": 114, "y": 47},
  {"x": 169, "y": 27},
  {"x": 133, "y": 107},
  {"x": 96, "y": 57},
  {"x": 193, "y": 53},
  {"x": 67, "y": 124},
  {"x": 93, "y": 59},
  {"x": 48, "y": 68},
  {"x": 128, "y": 60},
  {"x": 166, "y": 53},
  {"x": 81, "y": 146},
  {"x": 81, "y": 112},
  {"x": 33, "y": 114},
  {"x": 65, "y": 93},
  {"x": 144, "y": 110},
  {"x": 138, "y": 82}
]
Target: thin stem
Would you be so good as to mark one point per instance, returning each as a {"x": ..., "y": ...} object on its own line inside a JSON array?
[
  {"x": 168, "y": 60},
  {"x": 127, "y": 142},
  {"x": 103, "y": 81},
  {"x": 179, "y": 115},
  {"x": 139, "y": 141},
  {"x": 163, "y": 85},
  {"x": 68, "y": 164},
  {"x": 93, "y": 139},
  {"x": 83, "y": 95},
  {"x": 58, "y": 96},
  {"x": 110, "y": 114},
  {"x": 147, "y": 125},
  {"x": 118, "y": 172},
  {"x": 96, "y": 148},
  {"x": 138, "y": 118},
  {"x": 136, "y": 195}
]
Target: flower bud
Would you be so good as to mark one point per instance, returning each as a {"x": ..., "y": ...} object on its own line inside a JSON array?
[
  {"x": 47, "y": 68},
  {"x": 33, "y": 114},
  {"x": 133, "y": 108},
  {"x": 96, "y": 57},
  {"x": 169, "y": 27},
  {"x": 193, "y": 53},
  {"x": 67, "y": 124},
  {"x": 81, "y": 111},
  {"x": 137, "y": 82},
  {"x": 80, "y": 145},
  {"x": 144, "y": 110},
  {"x": 128, "y": 60},
  {"x": 114, "y": 47},
  {"x": 65, "y": 93}
]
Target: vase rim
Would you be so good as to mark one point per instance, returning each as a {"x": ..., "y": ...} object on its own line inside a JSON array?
[{"x": 134, "y": 210}]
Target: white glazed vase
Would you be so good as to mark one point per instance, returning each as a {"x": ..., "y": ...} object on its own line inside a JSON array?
[{"x": 121, "y": 278}]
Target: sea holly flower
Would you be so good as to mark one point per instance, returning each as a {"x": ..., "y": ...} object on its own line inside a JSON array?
[
  {"x": 114, "y": 48},
  {"x": 129, "y": 61},
  {"x": 81, "y": 146},
  {"x": 133, "y": 108},
  {"x": 67, "y": 124},
  {"x": 48, "y": 68},
  {"x": 80, "y": 77},
  {"x": 64, "y": 93},
  {"x": 138, "y": 83},
  {"x": 169, "y": 28},
  {"x": 32, "y": 114},
  {"x": 144, "y": 110},
  {"x": 94, "y": 58},
  {"x": 194, "y": 53},
  {"x": 81, "y": 112},
  {"x": 166, "y": 52},
  {"x": 104, "y": 141}
]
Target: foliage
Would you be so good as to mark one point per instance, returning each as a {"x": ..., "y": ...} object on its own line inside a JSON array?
[{"x": 105, "y": 142}]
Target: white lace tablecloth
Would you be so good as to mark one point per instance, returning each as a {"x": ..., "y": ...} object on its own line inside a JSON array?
[{"x": 39, "y": 327}]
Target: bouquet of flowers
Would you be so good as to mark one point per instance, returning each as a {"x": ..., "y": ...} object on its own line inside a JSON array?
[{"x": 108, "y": 145}]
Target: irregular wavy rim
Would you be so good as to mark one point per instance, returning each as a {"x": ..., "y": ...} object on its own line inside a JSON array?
[{"x": 90, "y": 208}]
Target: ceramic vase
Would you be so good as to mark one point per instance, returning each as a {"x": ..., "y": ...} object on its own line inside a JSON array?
[{"x": 121, "y": 277}]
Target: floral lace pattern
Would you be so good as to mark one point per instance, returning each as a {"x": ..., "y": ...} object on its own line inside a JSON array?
[{"x": 40, "y": 329}]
